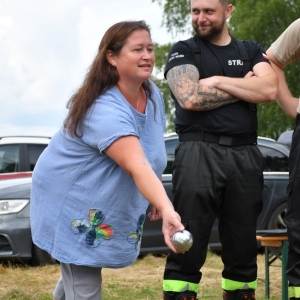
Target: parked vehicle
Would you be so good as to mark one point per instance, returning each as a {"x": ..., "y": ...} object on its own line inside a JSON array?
[
  {"x": 286, "y": 138},
  {"x": 15, "y": 235},
  {"x": 18, "y": 154}
]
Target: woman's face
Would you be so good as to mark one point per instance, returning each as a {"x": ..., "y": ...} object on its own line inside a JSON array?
[{"x": 136, "y": 59}]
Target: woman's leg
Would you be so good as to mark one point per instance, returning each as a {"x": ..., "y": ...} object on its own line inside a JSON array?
[
  {"x": 59, "y": 292},
  {"x": 80, "y": 282}
]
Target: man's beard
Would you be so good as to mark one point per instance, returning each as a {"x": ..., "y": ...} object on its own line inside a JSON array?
[{"x": 213, "y": 33}]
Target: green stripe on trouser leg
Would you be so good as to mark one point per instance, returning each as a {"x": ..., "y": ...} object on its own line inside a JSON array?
[
  {"x": 231, "y": 285},
  {"x": 179, "y": 286},
  {"x": 294, "y": 291}
]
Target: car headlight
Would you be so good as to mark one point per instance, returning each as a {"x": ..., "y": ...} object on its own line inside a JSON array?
[{"x": 12, "y": 206}]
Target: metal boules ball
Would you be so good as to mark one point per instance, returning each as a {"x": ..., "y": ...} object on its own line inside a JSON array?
[{"x": 182, "y": 240}]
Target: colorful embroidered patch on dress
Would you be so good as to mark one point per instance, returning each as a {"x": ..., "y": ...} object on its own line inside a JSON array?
[
  {"x": 94, "y": 229},
  {"x": 135, "y": 236}
]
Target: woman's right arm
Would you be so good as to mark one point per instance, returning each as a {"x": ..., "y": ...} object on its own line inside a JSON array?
[{"x": 128, "y": 153}]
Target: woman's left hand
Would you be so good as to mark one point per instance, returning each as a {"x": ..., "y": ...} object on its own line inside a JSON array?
[{"x": 154, "y": 213}]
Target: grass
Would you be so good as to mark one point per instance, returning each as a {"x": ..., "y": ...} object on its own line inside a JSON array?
[{"x": 142, "y": 280}]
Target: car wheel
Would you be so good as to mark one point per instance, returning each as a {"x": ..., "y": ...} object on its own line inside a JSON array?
[
  {"x": 41, "y": 257},
  {"x": 276, "y": 220}
]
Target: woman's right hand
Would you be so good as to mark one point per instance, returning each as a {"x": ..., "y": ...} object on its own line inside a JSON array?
[{"x": 171, "y": 224}]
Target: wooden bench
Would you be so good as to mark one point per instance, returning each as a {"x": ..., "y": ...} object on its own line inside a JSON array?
[{"x": 276, "y": 248}]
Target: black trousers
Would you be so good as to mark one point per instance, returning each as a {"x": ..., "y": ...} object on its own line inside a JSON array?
[
  {"x": 292, "y": 218},
  {"x": 212, "y": 181}
]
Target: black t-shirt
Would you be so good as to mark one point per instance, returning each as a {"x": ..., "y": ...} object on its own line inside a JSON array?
[{"x": 231, "y": 119}]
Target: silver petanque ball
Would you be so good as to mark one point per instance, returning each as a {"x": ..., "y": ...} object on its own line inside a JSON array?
[{"x": 182, "y": 240}]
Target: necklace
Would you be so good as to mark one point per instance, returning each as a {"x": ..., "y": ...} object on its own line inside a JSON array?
[
  {"x": 138, "y": 100},
  {"x": 139, "y": 97}
]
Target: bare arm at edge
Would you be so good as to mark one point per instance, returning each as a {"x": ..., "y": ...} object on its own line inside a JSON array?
[
  {"x": 284, "y": 97},
  {"x": 260, "y": 88},
  {"x": 184, "y": 83}
]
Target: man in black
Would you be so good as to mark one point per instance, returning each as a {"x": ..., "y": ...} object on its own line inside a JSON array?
[{"x": 218, "y": 169}]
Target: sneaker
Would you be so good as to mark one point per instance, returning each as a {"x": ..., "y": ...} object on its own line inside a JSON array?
[
  {"x": 246, "y": 294},
  {"x": 168, "y": 296},
  {"x": 188, "y": 295}
]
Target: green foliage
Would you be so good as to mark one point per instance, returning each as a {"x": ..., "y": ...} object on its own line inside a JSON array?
[
  {"x": 169, "y": 103},
  {"x": 262, "y": 21},
  {"x": 176, "y": 15},
  {"x": 272, "y": 121},
  {"x": 161, "y": 54}
]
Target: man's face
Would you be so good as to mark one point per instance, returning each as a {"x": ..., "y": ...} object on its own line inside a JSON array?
[{"x": 208, "y": 18}]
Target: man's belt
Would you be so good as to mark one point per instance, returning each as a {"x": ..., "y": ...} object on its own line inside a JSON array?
[{"x": 224, "y": 140}]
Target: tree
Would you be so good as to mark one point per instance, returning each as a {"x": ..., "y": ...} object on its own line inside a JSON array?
[
  {"x": 161, "y": 55},
  {"x": 262, "y": 21}
]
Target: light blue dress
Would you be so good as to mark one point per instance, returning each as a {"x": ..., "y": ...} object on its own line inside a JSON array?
[{"x": 85, "y": 209}]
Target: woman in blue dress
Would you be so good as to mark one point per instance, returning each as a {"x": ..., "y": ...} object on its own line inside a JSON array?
[{"x": 93, "y": 183}]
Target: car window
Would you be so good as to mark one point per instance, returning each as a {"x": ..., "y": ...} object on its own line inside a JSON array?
[
  {"x": 9, "y": 158},
  {"x": 170, "y": 149},
  {"x": 34, "y": 152},
  {"x": 275, "y": 161}
]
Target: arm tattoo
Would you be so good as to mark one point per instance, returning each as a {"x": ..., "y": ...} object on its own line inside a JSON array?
[{"x": 184, "y": 83}]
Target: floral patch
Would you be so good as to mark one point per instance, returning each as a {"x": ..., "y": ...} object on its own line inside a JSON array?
[
  {"x": 135, "y": 236},
  {"x": 94, "y": 229}
]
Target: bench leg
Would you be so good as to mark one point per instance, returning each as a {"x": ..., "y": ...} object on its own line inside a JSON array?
[
  {"x": 267, "y": 275},
  {"x": 284, "y": 278}
]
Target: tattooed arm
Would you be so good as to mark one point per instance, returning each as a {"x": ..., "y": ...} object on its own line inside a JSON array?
[{"x": 190, "y": 94}]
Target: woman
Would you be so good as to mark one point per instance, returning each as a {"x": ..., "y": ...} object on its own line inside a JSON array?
[{"x": 91, "y": 184}]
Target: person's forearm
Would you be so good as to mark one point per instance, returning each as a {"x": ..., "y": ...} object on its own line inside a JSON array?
[
  {"x": 151, "y": 187},
  {"x": 128, "y": 153},
  {"x": 253, "y": 89},
  {"x": 191, "y": 95},
  {"x": 284, "y": 97},
  {"x": 289, "y": 105}
]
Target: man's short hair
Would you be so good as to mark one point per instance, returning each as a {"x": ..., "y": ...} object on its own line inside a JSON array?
[{"x": 225, "y": 2}]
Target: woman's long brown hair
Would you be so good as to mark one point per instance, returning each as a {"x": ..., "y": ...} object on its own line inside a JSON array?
[{"x": 101, "y": 75}]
